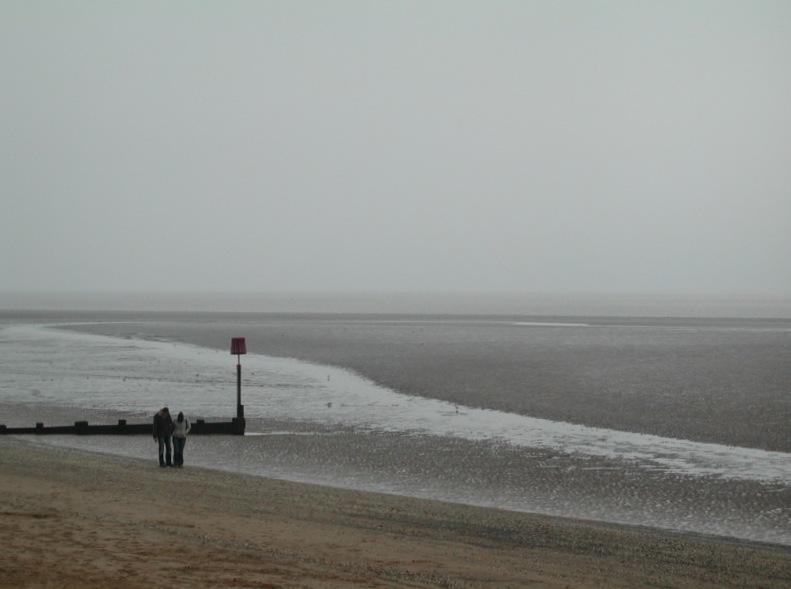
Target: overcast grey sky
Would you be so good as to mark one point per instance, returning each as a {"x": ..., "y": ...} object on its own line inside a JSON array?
[{"x": 574, "y": 146}]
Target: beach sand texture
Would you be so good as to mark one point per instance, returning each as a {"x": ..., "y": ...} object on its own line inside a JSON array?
[{"x": 74, "y": 519}]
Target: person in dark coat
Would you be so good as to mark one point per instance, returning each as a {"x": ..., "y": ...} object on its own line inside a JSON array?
[{"x": 163, "y": 429}]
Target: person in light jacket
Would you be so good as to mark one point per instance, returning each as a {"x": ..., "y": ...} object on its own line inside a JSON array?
[{"x": 182, "y": 427}]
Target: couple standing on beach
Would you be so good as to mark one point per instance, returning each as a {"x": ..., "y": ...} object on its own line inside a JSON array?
[{"x": 164, "y": 428}]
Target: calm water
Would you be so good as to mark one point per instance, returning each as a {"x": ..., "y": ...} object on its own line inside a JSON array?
[{"x": 676, "y": 416}]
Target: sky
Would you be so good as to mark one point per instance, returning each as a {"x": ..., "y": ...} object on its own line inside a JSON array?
[{"x": 396, "y": 146}]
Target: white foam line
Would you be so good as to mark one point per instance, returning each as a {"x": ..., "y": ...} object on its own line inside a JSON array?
[
  {"x": 137, "y": 375},
  {"x": 356, "y": 401},
  {"x": 548, "y": 324}
]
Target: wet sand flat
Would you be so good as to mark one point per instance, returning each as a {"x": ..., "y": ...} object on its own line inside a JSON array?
[{"x": 73, "y": 519}]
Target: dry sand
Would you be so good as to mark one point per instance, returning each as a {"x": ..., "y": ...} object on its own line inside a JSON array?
[{"x": 70, "y": 519}]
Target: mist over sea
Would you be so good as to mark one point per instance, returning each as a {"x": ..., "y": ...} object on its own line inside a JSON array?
[
  {"x": 493, "y": 303},
  {"x": 662, "y": 411}
]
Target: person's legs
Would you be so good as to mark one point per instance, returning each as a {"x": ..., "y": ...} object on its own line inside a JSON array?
[
  {"x": 168, "y": 460},
  {"x": 161, "y": 440},
  {"x": 178, "y": 451}
]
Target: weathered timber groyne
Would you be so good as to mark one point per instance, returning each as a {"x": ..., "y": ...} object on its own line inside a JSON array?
[{"x": 233, "y": 427}]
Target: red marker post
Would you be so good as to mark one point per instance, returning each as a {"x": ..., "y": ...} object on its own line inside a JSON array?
[{"x": 238, "y": 348}]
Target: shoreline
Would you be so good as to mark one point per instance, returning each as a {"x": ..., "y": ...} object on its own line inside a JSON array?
[
  {"x": 476, "y": 474},
  {"x": 74, "y": 518}
]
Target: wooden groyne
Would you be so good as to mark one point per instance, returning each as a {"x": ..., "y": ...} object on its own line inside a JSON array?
[{"x": 235, "y": 427}]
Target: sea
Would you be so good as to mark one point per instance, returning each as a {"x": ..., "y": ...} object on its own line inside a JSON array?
[{"x": 667, "y": 412}]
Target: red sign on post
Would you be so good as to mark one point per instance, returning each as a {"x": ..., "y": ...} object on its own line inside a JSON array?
[{"x": 238, "y": 346}]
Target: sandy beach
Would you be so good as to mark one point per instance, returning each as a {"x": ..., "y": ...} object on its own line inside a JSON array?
[{"x": 74, "y": 519}]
